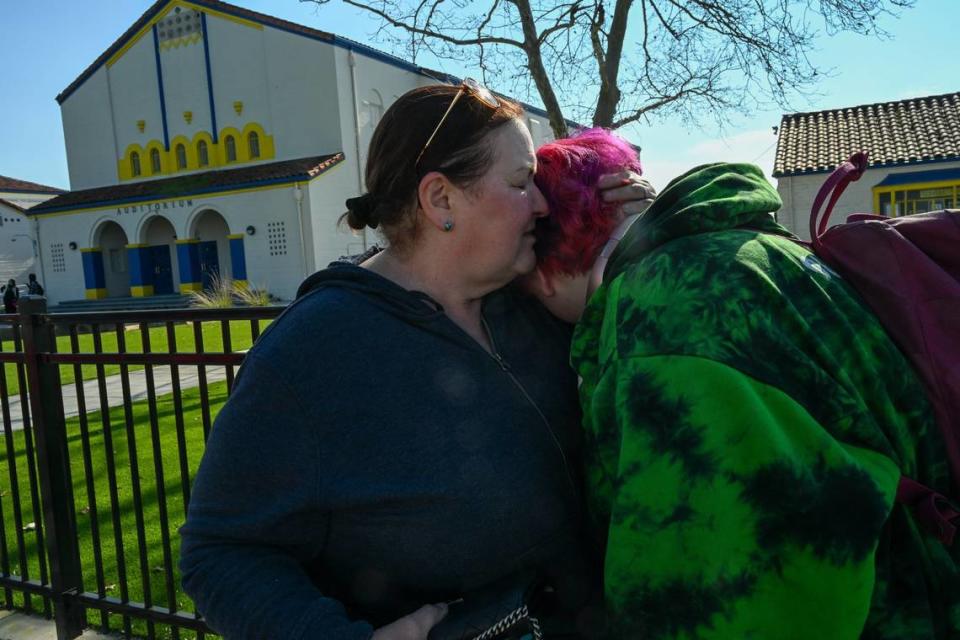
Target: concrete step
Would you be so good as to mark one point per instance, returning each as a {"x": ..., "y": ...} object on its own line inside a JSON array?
[{"x": 130, "y": 303}]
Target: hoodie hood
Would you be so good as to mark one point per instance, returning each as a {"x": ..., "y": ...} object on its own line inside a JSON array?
[
  {"x": 414, "y": 306},
  {"x": 710, "y": 197}
]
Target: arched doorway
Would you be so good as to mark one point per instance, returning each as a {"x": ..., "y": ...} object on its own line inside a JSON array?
[
  {"x": 161, "y": 251},
  {"x": 211, "y": 231},
  {"x": 112, "y": 241}
]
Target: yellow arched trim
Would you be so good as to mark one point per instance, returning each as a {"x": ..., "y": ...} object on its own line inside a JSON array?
[
  {"x": 237, "y": 140},
  {"x": 148, "y": 27},
  {"x": 211, "y": 149},
  {"x": 190, "y": 152},
  {"x": 146, "y": 160},
  {"x": 125, "y": 164},
  {"x": 216, "y": 152},
  {"x": 266, "y": 142}
]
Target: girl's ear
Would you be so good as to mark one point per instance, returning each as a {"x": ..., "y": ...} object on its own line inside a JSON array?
[{"x": 434, "y": 193}]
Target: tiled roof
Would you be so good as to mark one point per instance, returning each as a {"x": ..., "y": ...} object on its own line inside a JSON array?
[
  {"x": 192, "y": 185},
  {"x": 905, "y": 132},
  {"x": 12, "y": 205},
  {"x": 12, "y": 185}
]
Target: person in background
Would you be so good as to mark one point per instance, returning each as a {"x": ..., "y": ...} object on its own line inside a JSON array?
[
  {"x": 34, "y": 288},
  {"x": 10, "y": 297},
  {"x": 407, "y": 432},
  {"x": 747, "y": 418}
]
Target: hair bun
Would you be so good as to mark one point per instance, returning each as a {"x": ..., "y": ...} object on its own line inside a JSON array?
[{"x": 362, "y": 211}]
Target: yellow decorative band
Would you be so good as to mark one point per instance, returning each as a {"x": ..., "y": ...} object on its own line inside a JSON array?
[
  {"x": 137, "y": 246},
  {"x": 91, "y": 250},
  {"x": 96, "y": 294},
  {"x": 142, "y": 292},
  {"x": 179, "y": 42},
  {"x": 187, "y": 287},
  {"x": 188, "y": 241},
  {"x": 235, "y": 236}
]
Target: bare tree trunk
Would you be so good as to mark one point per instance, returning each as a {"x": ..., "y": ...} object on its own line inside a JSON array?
[
  {"x": 609, "y": 96},
  {"x": 531, "y": 46}
]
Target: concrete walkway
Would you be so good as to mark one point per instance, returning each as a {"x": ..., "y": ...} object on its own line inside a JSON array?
[
  {"x": 162, "y": 380},
  {"x": 20, "y": 626}
]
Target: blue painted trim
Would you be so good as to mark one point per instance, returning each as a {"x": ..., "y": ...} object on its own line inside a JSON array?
[
  {"x": 303, "y": 177},
  {"x": 188, "y": 262},
  {"x": 931, "y": 175},
  {"x": 206, "y": 60},
  {"x": 139, "y": 266},
  {"x": 890, "y": 165},
  {"x": 238, "y": 259},
  {"x": 163, "y": 102},
  {"x": 93, "y": 273}
]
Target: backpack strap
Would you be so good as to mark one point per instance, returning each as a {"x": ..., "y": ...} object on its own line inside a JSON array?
[
  {"x": 848, "y": 171},
  {"x": 933, "y": 511}
]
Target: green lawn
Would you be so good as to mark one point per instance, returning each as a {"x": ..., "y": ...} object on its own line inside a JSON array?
[
  {"x": 163, "y": 441},
  {"x": 212, "y": 338}
]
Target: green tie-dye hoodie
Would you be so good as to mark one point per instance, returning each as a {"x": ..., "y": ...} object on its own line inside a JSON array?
[{"x": 748, "y": 421}]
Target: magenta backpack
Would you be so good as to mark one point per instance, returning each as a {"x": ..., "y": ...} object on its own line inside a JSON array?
[{"x": 907, "y": 270}]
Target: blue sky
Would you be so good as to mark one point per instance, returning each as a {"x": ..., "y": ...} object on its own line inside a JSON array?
[{"x": 45, "y": 45}]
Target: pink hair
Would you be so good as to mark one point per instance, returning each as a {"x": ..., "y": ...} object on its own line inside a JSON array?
[{"x": 580, "y": 222}]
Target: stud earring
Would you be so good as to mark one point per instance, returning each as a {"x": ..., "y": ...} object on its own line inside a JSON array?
[{"x": 448, "y": 225}]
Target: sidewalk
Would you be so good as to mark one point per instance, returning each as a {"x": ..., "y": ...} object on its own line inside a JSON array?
[
  {"x": 19, "y": 626},
  {"x": 162, "y": 380}
]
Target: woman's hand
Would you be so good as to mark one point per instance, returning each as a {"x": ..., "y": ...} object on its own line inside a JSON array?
[
  {"x": 626, "y": 187},
  {"x": 415, "y": 626}
]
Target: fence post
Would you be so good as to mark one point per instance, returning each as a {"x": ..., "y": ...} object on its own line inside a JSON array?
[{"x": 53, "y": 461}]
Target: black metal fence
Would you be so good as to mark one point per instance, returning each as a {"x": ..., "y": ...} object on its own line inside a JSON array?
[{"x": 105, "y": 416}]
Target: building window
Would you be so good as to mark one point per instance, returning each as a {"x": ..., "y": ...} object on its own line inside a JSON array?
[
  {"x": 155, "y": 160},
  {"x": 202, "y": 156},
  {"x": 916, "y": 198},
  {"x": 253, "y": 142},
  {"x": 181, "y": 157},
  {"x": 135, "y": 164},
  {"x": 231, "y": 146}
]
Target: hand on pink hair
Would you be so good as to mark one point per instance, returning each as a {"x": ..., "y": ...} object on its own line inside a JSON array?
[{"x": 627, "y": 187}]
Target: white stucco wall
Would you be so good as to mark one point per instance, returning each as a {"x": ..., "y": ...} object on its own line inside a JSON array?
[
  {"x": 239, "y": 73},
  {"x": 16, "y": 245},
  {"x": 302, "y": 95},
  {"x": 330, "y": 241},
  {"x": 88, "y": 131},
  {"x": 62, "y": 266},
  {"x": 798, "y": 193},
  {"x": 25, "y": 199}
]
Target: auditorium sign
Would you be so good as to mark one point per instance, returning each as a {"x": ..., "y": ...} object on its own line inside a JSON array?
[{"x": 155, "y": 207}]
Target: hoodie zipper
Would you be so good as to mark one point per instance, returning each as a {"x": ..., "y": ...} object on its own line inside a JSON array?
[{"x": 505, "y": 367}]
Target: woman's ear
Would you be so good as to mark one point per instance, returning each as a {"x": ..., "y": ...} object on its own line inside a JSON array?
[{"x": 434, "y": 193}]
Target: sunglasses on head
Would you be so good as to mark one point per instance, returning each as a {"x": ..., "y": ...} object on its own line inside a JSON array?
[{"x": 478, "y": 91}]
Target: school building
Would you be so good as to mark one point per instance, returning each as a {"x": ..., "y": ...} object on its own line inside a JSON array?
[
  {"x": 210, "y": 140},
  {"x": 913, "y": 147}
]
